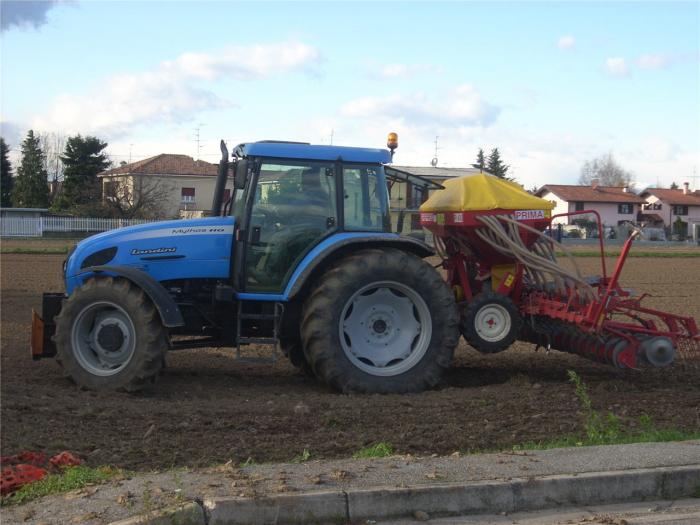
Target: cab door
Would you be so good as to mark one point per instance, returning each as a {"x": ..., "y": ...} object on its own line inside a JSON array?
[{"x": 292, "y": 210}]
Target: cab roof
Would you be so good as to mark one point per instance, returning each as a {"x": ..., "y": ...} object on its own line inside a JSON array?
[{"x": 297, "y": 150}]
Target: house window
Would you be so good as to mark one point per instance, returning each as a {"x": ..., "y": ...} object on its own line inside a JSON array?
[
  {"x": 187, "y": 195},
  {"x": 579, "y": 206},
  {"x": 680, "y": 210},
  {"x": 625, "y": 209}
]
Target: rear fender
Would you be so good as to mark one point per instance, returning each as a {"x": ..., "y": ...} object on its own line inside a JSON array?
[
  {"x": 169, "y": 312},
  {"x": 344, "y": 244}
]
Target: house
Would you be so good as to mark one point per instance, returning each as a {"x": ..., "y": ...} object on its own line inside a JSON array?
[
  {"x": 405, "y": 197},
  {"x": 676, "y": 209},
  {"x": 168, "y": 185},
  {"x": 616, "y": 205}
]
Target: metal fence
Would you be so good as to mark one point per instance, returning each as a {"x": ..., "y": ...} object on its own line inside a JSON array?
[{"x": 38, "y": 226}]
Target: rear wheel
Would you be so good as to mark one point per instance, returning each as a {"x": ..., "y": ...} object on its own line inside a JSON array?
[
  {"x": 491, "y": 322},
  {"x": 109, "y": 336},
  {"x": 380, "y": 321}
]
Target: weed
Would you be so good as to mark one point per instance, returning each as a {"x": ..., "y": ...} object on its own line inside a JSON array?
[
  {"x": 70, "y": 478},
  {"x": 599, "y": 429},
  {"x": 248, "y": 462},
  {"x": 305, "y": 455},
  {"x": 378, "y": 450}
]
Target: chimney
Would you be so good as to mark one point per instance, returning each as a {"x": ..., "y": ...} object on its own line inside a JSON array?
[
  {"x": 594, "y": 183},
  {"x": 626, "y": 189},
  {"x": 686, "y": 188}
]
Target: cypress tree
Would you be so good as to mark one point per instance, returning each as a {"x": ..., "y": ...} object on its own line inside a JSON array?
[
  {"x": 495, "y": 165},
  {"x": 480, "y": 160},
  {"x": 6, "y": 181},
  {"x": 31, "y": 189}
]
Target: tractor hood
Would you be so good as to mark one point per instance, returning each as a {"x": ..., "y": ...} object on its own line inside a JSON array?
[{"x": 168, "y": 250}]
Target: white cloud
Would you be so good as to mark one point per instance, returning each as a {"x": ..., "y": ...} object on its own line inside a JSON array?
[
  {"x": 171, "y": 92},
  {"x": 653, "y": 61},
  {"x": 566, "y": 42},
  {"x": 462, "y": 106},
  {"x": 617, "y": 66},
  {"x": 392, "y": 71}
]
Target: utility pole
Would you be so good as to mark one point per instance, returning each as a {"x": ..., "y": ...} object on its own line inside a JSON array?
[
  {"x": 130, "y": 146},
  {"x": 332, "y": 133}
]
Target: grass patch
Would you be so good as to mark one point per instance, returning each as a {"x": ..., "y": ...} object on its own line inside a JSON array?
[
  {"x": 71, "y": 478},
  {"x": 378, "y": 450},
  {"x": 34, "y": 251}
]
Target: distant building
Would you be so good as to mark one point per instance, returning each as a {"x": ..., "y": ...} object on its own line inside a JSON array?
[
  {"x": 616, "y": 205},
  {"x": 677, "y": 209},
  {"x": 185, "y": 186}
]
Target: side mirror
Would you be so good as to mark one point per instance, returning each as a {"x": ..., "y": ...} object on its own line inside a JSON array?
[{"x": 240, "y": 175}]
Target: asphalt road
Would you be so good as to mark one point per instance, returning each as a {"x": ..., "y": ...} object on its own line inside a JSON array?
[{"x": 682, "y": 512}]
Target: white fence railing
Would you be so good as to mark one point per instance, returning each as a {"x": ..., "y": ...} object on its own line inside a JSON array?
[{"x": 37, "y": 226}]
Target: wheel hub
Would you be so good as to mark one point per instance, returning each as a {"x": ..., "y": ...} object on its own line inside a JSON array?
[
  {"x": 382, "y": 326},
  {"x": 110, "y": 337}
]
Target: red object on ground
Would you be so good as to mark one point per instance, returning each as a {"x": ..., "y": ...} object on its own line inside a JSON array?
[
  {"x": 64, "y": 459},
  {"x": 27, "y": 467},
  {"x": 17, "y": 475}
]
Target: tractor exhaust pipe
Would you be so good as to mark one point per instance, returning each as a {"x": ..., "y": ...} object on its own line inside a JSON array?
[{"x": 221, "y": 177}]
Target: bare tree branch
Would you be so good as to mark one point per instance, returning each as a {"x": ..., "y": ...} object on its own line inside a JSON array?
[{"x": 137, "y": 197}]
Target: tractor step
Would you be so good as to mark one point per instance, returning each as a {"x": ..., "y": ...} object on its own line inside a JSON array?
[
  {"x": 246, "y": 339},
  {"x": 257, "y": 340}
]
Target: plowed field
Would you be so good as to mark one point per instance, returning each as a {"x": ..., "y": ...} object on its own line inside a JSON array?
[{"x": 208, "y": 408}]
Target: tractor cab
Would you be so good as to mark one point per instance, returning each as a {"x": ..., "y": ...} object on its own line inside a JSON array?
[{"x": 289, "y": 197}]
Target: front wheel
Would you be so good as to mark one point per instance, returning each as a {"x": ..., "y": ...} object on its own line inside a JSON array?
[
  {"x": 380, "y": 321},
  {"x": 109, "y": 336}
]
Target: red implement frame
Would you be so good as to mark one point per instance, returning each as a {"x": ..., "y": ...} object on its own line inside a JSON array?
[{"x": 593, "y": 317}]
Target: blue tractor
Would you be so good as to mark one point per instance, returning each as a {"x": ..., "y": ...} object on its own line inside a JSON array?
[{"x": 302, "y": 257}]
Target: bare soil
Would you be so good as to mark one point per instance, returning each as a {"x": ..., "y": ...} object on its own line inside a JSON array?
[{"x": 209, "y": 408}]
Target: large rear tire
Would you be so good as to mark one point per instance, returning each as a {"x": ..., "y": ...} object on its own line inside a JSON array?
[
  {"x": 380, "y": 321},
  {"x": 109, "y": 336}
]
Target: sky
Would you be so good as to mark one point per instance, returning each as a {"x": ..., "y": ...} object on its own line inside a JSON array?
[{"x": 551, "y": 84}]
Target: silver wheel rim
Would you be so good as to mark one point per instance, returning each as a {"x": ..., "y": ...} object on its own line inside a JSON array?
[
  {"x": 492, "y": 323},
  {"x": 103, "y": 338},
  {"x": 385, "y": 328}
]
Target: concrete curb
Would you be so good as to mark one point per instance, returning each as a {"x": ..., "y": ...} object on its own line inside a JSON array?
[{"x": 515, "y": 495}]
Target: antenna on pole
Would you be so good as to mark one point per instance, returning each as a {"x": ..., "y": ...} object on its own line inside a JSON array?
[
  {"x": 434, "y": 162},
  {"x": 332, "y": 133},
  {"x": 197, "y": 139},
  {"x": 130, "y": 146}
]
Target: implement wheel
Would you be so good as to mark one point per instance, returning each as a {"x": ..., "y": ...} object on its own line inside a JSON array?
[
  {"x": 380, "y": 321},
  {"x": 110, "y": 337},
  {"x": 491, "y": 322}
]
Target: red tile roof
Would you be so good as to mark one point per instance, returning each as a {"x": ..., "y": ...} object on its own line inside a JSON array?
[
  {"x": 674, "y": 196},
  {"x": 589, "y": 194},
  {"x": 165, "y": 164}
]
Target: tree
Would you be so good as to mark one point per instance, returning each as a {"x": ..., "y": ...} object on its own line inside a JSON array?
[
  {"x": 480, "y": 160},
  {"x": 52, "y": 145},
  {"x": 31, "y": 188},
  {"x": 495, "y": 165},
  {"x": 606, "y": 169},
  {"x": 673, "y": 185},
  {"x": 82, "y": 160},
  {"x": 140, "y": 198},
  {"x": 6, "y": 173}
]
